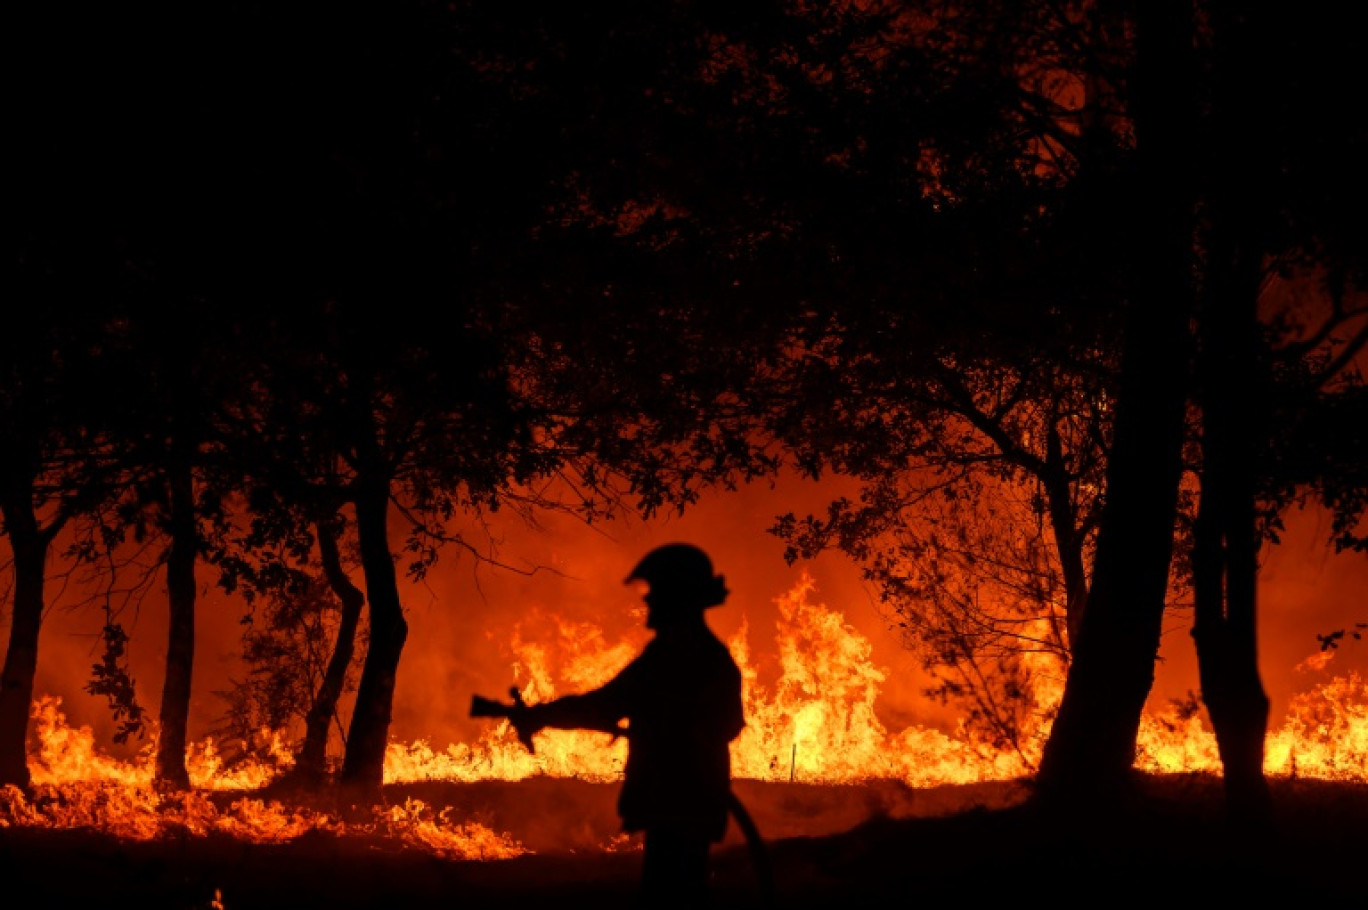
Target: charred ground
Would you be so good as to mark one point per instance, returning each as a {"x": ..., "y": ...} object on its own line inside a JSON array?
[{"x": 875, "y": 844}]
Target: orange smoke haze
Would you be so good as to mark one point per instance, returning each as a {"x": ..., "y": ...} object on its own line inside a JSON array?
[{"x": 463, "y": 619}]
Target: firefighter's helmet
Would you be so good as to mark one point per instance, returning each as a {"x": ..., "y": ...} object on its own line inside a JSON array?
[{"x": 684, "y": 573}]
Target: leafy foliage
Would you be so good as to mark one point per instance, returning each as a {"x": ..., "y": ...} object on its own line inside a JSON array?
[
  {"x": 110, "y": 678},
  {"x": 286, "y": 644}
]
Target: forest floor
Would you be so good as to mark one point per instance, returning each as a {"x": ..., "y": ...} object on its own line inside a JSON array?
[{"x": 862, "y": 845}]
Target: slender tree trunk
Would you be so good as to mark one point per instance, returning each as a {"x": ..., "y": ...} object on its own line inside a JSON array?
[
  {"x": 1233, "y": 395},
  {"x": 1068, "y": 537},
  {"x": 180, "y": 644},
  {"x": 363, "y": 765},
  {"x": 29, "y": 545},
  {"x": 1090, "y": 752},
  {"x": 311, "y": 763}
]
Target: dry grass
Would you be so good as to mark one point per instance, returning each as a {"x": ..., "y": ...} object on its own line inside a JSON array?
[{"x": 877, "y": 844}]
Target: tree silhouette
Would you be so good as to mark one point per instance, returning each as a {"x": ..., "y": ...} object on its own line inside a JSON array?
[
  {"x": 53, "y": 460},
  {"x": 420, "y": 263},
  {"x": 298, "y": 650}
]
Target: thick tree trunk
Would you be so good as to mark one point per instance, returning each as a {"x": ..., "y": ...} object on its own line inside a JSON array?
[
  {"x": 1225, "y": 559},
  {"x": 311, "y": 763},
  {"x": 1239, "y": 708},
  {"x": 1090, "y": 752},
  {"x": 1223, "y": 631},
  {"x": 368, "y": 735},
  {"x": 174, "y": 717},
  {"x": 1233, "y": 396},
  {"x": 29, "y": 545}
]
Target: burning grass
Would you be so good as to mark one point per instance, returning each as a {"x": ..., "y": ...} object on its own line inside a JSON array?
[
  {"x": 820, "y": 772},
  {"x": 947, "y": 845}
]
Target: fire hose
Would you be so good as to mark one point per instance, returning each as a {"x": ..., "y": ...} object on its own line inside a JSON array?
[{"x": 755, "y": 844}]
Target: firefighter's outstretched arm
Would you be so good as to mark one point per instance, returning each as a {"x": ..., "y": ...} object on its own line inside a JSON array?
[
  {"x": 517, "y": 712},
  {"x": 602, "y": 710},
  {"x": 590, "y": 711}
]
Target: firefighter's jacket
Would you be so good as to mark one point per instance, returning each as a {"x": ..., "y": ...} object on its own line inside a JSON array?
[{"x": 681, "y": 700}]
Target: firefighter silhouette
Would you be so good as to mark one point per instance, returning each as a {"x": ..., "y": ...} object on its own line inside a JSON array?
[{"x": 681, "y": 701}]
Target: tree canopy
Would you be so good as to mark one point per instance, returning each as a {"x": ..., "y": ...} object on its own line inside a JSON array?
[{"x": 1002, "y": 263}]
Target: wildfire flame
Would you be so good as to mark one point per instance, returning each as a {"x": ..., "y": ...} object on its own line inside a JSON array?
[{"x": 816, "y": 722}]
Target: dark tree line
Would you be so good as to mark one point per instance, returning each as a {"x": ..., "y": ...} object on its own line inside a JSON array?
[{"x": 321, "y": 281}]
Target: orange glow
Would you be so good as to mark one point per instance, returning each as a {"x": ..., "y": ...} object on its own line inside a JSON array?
[
  {"x": 77, "y": 787},
  {"x": 812, "y": 721}
]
